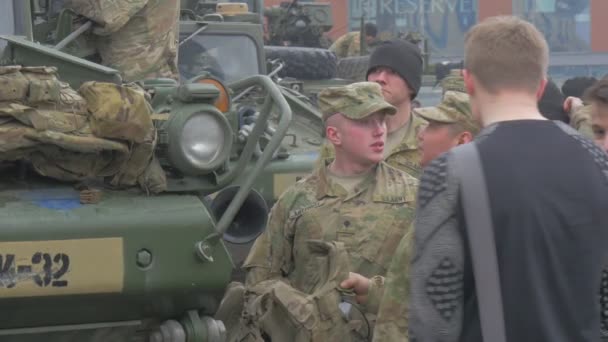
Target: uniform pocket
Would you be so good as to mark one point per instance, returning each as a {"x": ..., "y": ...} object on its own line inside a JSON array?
[
  {"x": 13, "y": 85},
  {"x": 378, "y": 237}
]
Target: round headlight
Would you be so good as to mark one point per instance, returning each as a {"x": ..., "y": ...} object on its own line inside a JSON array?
[{"x": 199, "y": 142}]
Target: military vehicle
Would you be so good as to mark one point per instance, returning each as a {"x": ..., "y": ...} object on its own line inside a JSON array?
[
  {"x": 101, "y": 263},
  {"x": 293, "y": 23}
]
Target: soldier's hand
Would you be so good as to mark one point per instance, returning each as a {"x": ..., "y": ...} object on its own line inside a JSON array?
[
  {"x": 571, "y": 104},
  {"x": 358, "y": 284}
]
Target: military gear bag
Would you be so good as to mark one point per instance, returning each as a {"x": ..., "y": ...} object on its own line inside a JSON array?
[
  {"x": 44, "y": 121},
  {"x": 274, "y": 309}
]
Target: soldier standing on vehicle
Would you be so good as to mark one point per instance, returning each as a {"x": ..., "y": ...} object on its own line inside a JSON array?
[
  {"x": 451, "y": 123},
  {"x": 349, "y": 45},
  {"x": 396, "y": 66},
  {"x": 355, "y": 199},
  {"x": 137, "y": 37}
]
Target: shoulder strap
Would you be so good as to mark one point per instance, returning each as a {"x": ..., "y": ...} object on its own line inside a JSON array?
[{"x": 480, "y": 233}]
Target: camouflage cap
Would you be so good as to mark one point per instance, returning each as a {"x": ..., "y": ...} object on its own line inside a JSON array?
[
  {"x": 454, "y": 108},
  {"x": 453, "y": 81},
  {"x": 355, "y": 101}
]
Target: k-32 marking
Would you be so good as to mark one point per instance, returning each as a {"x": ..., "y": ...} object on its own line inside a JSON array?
[{"x": 43, "y": 269}]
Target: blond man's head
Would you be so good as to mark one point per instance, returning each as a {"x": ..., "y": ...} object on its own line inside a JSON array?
[{"x": 506, "y": 53}]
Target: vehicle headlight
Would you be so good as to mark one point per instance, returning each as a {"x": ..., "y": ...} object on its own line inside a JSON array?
[{"x": 199, "y": 142}]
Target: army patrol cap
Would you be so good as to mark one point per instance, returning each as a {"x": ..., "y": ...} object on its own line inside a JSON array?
[
  {"x": 454, "y": 108},
  {"x": 355, "y": 101}
]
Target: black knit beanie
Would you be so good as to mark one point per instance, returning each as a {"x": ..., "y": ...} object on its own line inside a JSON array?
[{"x": 401, "y": 56}]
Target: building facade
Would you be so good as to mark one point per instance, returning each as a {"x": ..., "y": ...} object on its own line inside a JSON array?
[
  {"x": 575, "y": 29},
  {"x": 569, "y": 25}
]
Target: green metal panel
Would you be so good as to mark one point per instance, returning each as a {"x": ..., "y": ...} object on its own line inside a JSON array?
[
  {"x": 165, "y": 225},
  {"x": 72, "y": 69},
  {"x": 298, "y": 164}
]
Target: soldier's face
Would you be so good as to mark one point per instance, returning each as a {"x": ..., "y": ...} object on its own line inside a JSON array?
[
  {"x": 599, "y": 125},
  {"x": 394, "y": 88},
  {"x": 362, "y": 141},
  {"x": 435, "y": 139}
]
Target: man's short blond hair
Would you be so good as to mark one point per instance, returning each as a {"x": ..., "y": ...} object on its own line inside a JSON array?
[{"x": 506, "y": 53}]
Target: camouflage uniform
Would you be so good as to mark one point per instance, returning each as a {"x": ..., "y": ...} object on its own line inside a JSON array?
[
  {"x": 454, "y": 108},
  {"x": 137, "y": 37},
  {"x": 391, "y": 324},
  {"x": 349, "y": 45},
  {"x": 370, "y": 220},
  {"x": 453, "y": 82},
  {"x": 405, "y": 157}
]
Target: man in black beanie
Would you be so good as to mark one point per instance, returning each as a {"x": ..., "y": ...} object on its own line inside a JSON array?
[{"x": 396, "y": 65}]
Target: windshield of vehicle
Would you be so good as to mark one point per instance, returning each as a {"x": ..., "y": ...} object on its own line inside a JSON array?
[{"x": 227, "y": 57}]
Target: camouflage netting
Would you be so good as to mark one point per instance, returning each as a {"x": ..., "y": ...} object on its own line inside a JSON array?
[{"x": 106, "y": 131}]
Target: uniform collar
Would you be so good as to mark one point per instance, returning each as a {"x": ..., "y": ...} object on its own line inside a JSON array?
[
  {"x": 326, "y": 187},
  {"x": 410, "y": 141},
  {"x": 381, "y": 179}
]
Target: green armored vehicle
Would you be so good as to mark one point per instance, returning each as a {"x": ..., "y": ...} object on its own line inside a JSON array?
[{"x": 84, "y": 255}]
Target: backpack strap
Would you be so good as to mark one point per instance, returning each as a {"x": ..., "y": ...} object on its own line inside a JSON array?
[{"x": 480, "y": 233}]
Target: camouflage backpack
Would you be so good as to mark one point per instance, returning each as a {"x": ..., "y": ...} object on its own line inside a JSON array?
[{"x": 275, "y": 310}]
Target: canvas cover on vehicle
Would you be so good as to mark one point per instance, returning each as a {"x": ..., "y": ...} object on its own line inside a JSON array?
[{"x": 104, "y": 132}]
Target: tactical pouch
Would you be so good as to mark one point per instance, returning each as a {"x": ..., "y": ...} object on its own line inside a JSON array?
[
  {"x": 13, "y": 85},
  {"x": 43, "y": 91},
  {"x": 43, "y": 84},
  {"x": 118, "y": 112}
]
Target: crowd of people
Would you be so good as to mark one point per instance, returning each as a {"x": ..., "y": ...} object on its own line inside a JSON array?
[{"x": 376, "y": 243}]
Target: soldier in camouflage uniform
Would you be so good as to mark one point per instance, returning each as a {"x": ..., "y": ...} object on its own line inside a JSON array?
[
  {"x": 349, "y": 45},
  {"x": 453, "y": 82},
  {"x": 355, "y": 199},
  {"x": 397, "y": 66},
  {"x": 136, "y": 37},
  {"x": 451, "y": 123}
]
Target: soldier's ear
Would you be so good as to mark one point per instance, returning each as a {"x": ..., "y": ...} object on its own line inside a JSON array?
[
  {"x": 465, "y": 137},
  {"x": 333, "y": 135}
]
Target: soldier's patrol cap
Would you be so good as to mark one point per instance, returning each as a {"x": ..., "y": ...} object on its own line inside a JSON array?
[
  {"x": 454, "y": 108},
  {"x": 355, "y": 101}
]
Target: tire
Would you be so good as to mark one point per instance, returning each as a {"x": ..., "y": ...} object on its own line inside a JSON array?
[
  {"x": 353, "y": 68},
  {"x": 304, "y": 63}
]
